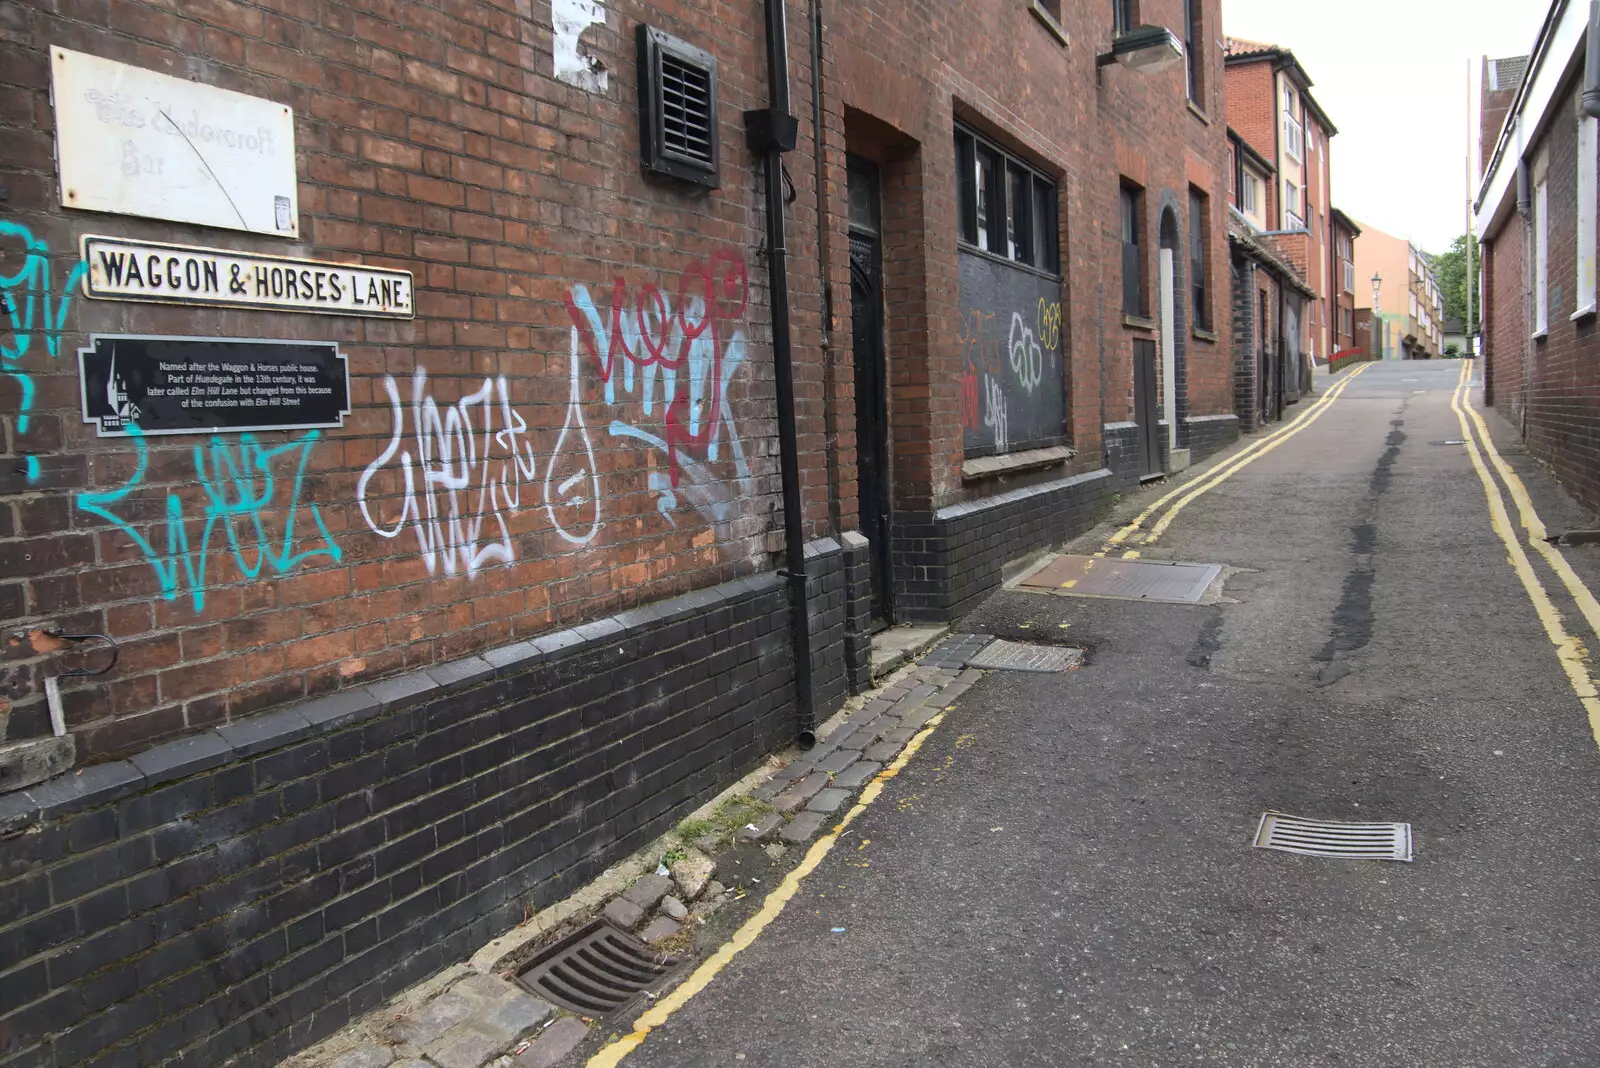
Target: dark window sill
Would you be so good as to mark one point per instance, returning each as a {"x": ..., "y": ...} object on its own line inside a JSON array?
[
  {"x": 1138, "y": 322},
  {"x": 1204, "y": 335},
  {"x": 1194, "y": 110},
  {"x": 1011, "y": 462},
  {"x": 1049, "y": 23},
  {"x": 974, "y": 250}
]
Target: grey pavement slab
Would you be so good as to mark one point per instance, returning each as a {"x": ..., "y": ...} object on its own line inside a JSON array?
[
  {"x": 856, "y": 775},
  {"x": 647, "y": 890},
  {"x": 623, "y": 913},
  {"x": 801, "y": 792},
  {"x": 828, "y": 801},
  {"x": 839, "y": 760},
  {"x": 659, "y": 928},
  {"x": 556, "y": 1041},
  {"x": 883, "y": 752},
  {"x": 802, "y": 827}
]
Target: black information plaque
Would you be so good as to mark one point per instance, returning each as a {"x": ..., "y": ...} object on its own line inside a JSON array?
[{"x": 197, "y": 385}]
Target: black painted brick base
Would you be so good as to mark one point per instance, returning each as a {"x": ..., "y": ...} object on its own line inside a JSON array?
[
  {"x": 945, "y": 563},
  {"x": 858, "y": 612},
  {"x": 1122, "y": 453},
  {"x": 245, "y": 892},
  {"x": 1211, "y": 433},
  {"x": 829, "y": 602}
]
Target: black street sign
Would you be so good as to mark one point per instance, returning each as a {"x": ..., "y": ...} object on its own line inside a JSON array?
[{"x": 200, "y": 385}]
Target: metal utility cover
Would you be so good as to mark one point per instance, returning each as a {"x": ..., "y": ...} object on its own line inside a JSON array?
[
  {"x": 1133, "y": 580},
  {"x": 1327, "y": 838},
  {"x": 598, "y": 971},
  {"x": 1001, "y": 655}
]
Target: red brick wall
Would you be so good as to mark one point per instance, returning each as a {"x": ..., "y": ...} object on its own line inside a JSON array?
[
  {"x": 434, "y": 140},
  {"x": 1555, "y": 388},
  {"x": 907, "y": 72},
  {"x": 437, "y": 140},
  {"x": 1252, "y": 110}
]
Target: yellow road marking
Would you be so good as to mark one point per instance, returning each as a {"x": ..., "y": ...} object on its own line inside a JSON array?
[
  {"x": 1535, "y": 526},
  {"x": 1227, "y": 470},
  {"x": 658, "y": 1014},
  {"x": 1569, "y": 651}
]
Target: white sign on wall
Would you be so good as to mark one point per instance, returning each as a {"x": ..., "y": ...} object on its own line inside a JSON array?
[
  {"x": 124, "y": 269},
  {"x": 135, "y": 142}
]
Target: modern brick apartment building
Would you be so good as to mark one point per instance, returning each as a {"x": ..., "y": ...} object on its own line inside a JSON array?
[
  {"x": 435, "y": 405},
  {"x": 1271, "y": 106},
  {"x": 1536, "y": 224}
]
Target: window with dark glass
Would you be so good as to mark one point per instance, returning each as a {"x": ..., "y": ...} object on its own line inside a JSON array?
[
  {"x": 1193, "y": 49},
  {"x": 1132, "y": 263},
  {"x": 1122, "y": 16},
  {"x": 1004, "y": 206},
  {"x": 1051, "y": 8},
  {"x": 1199, "y": 207}
]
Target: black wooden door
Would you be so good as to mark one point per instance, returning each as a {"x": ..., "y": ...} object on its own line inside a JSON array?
[
  {"x": 872, "y": 429},
  {"x": 1145, "y": 407}
]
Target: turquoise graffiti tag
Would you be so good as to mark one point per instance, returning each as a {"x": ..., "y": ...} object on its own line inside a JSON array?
[
  {"x": 242, "y": 482},
  {"x": 36, "y": 311}
]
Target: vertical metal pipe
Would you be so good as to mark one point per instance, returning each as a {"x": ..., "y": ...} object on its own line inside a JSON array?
[
  {"x": 824, "y": 285},
  {"x": 783, "y": 371}
]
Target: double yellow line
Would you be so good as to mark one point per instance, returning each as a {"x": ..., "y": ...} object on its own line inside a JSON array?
[
  {"x": 612, "y": 1054},
  {"x": 1184, "y": 494},
  {"x": 1570, "y": 651}
]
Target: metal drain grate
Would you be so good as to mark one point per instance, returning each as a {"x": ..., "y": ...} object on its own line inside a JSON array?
[
  {"x": 1001, "y": 655},
  {"x": 1134, "y": 580},
  {"x": 598, "y": 971},
  {"x": 1325, "y": 838}
]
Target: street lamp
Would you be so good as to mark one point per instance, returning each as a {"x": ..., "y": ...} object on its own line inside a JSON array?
[
  {"x": 1147, "y": 48},
  {"x": 1378, "y": 331}
]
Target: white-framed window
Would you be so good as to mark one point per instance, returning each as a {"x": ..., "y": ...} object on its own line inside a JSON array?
[
  {"x": 1291, "y": 207},
  {"x": 1349, "y": 277},
  {"x": 1541, "y": 258},
  {"x": 1250, "y": 194},
  {"x": 1292, "y": 137},
  {"x": 1588, "y": 173}
]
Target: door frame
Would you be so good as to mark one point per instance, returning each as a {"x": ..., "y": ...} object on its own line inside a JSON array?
[{"x": 872, "y": 396}]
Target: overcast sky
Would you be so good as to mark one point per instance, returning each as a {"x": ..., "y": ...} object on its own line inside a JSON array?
[{"x": 1392, "y": 75}]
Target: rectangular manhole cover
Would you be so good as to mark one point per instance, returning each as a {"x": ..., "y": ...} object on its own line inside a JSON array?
[
  {"x": 1134, "y": 580},
  {"x": 598, "y": 971},
  {"x": 1001, "y": 655},
  {"x": 1326, "y": 838}
]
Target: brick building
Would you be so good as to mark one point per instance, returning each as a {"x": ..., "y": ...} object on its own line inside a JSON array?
[
  {"x": 1536, "y": 226},
  {"x": 1271, "y": 106},
  {"x": 1342, "y": 281},
  {"x": 424, "y": 402}
]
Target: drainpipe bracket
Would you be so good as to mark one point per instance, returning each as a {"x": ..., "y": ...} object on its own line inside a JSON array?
[{"x": 766, "y": 129}]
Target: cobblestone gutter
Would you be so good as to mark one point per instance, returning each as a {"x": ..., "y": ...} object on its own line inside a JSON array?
[{"x": 474, "y": 1015}]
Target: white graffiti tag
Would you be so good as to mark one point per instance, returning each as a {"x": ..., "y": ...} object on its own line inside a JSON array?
[
  {"x": 994, "y": 412},
  {"x": 461, "y": 475},
  {"x": 1027, "y": 358}
]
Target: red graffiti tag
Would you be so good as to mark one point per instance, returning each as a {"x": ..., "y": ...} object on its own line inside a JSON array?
[{"x": 711, "y": 297}]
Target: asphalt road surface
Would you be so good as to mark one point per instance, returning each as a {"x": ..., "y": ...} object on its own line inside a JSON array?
[{"x": 1063, "y": 874}]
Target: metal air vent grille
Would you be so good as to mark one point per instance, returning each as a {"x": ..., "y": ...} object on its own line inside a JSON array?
[
  {"x": 687, "y": 111},
  {"x": 677, "y": 108}
]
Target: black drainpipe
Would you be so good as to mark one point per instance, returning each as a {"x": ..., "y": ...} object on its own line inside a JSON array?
[
  {"x": 1591, "y": 63},
  {"x": 772, "y": 131},
  {"x": 825, "y": 286}
]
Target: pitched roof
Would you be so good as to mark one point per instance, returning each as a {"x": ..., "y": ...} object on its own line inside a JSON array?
[{"x": 1238, "y": 50}]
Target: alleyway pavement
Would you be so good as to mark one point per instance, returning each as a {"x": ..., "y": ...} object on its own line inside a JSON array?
[{"x": 1063, "y": 875}]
